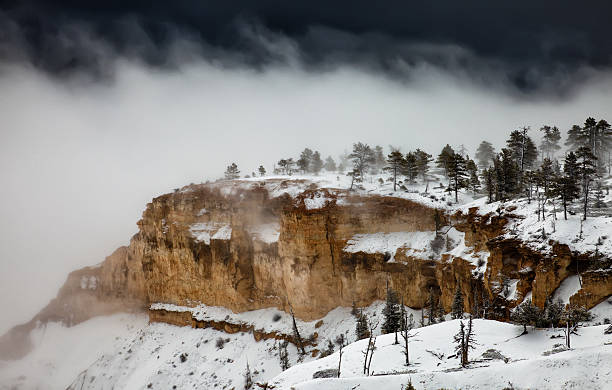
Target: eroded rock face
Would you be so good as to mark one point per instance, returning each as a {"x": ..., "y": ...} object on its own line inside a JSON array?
[{"x": 244, "y": 249}]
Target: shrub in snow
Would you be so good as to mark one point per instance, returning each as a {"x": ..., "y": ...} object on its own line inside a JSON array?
[
  {"x": 408, "y": 386},
  {"x": 329, "y": 373},
  {"x": 276, "y": 317},
  {"x": 494, "y": 354},
  {"x": 556, "y": 349},
  {"x": 608, "y": 330},
  {"x": 220, "y": 343}
]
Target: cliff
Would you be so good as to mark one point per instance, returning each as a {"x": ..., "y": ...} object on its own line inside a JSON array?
[{"x": 295, "y": 245}]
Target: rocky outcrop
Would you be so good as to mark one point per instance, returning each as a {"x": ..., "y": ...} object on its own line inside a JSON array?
[
  {"x": 115, "y": 285},
  {"x": 245, "y": 246}
]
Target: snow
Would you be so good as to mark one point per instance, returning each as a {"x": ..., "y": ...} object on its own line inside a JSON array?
[
  {"x": 513, "y": 283},
  {"x": 268, "y": 232},
  {"x": 418, "y": 244},
  {"x": 205, "y": 231},
  {"x": 88, "y": 282},
  {"x": 430, "y": 194},
  {"x": 315, "y": 203},
  {"x": 59, "y": 353},
  {"x": 152, "y": 356},
  {"x": 224, "y": 233},
  {"x": 338, "y": 320},
  {"x": 602, "y": 311},
  {"x": 567, "y": 288},
  {"x": 596, "y": 235},
  {"x": 586, "y": 366}
]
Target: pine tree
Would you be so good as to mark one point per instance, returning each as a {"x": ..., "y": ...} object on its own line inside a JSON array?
[
  {"x": 526, "y": 314},
  {"x": 391, "y": 313},
  {"x": 457, "y": 308},
  {"x": 362, "y": 158},
  {"x": 599, "y": 196},
  {"x": 586, "y": 171},
  {"x": 444, "y": 159},
  {"x": 574, "y": 139},
  {"x": 232, "y": 172},
  {"x": 554, "y": 312},
  {"x": 595, "y": 135},
  {"x": 524, "y": 152},
  {"x": 361, "y": 328},
  {"x": 262, "y": 171},
  {"x": 472, "y": 171},
  {"x": 485, "y": 154},
  {"x": 379, "y": 159},
  {"x": 286, "y": 166},
  {"x": 410, "y": 167},
  {"x": 565, "y": 186},
  {"x": 506, "y": 175},
  {"x": 489, "y": 182},
  {"x": 316, "y": 164},
  {"x": 330, "y": 164},
  {"x": 395, "y": 165},
  {"x": 550, "y": 141},
  {"x": 457, "y": 173},
  {"x": 423, "y": 159},
  {"x": 305, "y": 160}
]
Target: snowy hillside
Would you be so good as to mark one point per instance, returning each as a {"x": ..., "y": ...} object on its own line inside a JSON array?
[
  {"x": 61, "y": 353},
  {"x": 165, "y": 355},
  {"x": 501, "y": 359},
  {"x": 432, "y": 194}
]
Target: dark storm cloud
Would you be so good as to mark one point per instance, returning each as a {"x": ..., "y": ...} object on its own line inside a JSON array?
[{"x": 531, "y": 45}]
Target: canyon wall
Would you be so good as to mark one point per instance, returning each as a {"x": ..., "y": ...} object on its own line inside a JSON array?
[{"x": 249, "y": 245}]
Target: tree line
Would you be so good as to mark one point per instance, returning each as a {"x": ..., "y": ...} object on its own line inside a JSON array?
[{"x": 520, "y": 169}]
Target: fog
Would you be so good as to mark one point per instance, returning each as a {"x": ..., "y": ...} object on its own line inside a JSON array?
[{"x": 80, "y": 158}]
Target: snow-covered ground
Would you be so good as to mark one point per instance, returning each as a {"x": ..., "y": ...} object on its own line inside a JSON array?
[
  {"x": 61, "y": 353},
  {"x": 528, "y": 363},
  {"x": 592, "y": 235},
  {"x": 124, "y": 352},
  {"x": 431, "y": 194}
]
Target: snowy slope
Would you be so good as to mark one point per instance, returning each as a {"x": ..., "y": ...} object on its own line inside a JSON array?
[
  {"x": 430, "y": 194},
  {"x": 153, "y": 356},
  {"x": 60, "y": 353},
  {"x": 433, "y": 365}
]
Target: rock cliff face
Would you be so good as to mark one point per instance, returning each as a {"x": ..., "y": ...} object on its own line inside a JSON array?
[{"x": 248, "y": 245}]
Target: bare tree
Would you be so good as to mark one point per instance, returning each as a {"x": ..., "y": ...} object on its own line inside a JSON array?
[
  {"x": 340, "y": 340},
  {"x": 406, "y": 327},
  {"x": 296, "y": 334},
  {"x": 369, "y": 352}
]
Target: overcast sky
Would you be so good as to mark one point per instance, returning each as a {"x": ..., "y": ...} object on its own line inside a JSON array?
[{"x": 106, "y": 106}]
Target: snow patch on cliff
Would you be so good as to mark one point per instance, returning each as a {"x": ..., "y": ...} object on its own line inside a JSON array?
[
  {"x": 268, "y": 232},
  {"x": 417, "y": 244},
  {"x": 567, "y": 288},
  {"x": 205, "y": 231}
]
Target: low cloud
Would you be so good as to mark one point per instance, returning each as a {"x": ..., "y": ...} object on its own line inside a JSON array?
[{"x": 80, "y": 157}]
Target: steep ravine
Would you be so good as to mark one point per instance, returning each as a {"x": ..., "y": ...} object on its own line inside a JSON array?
[{"x": 248, "y": 246}]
